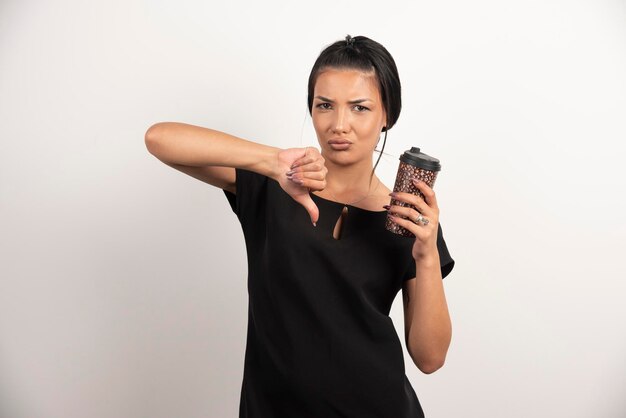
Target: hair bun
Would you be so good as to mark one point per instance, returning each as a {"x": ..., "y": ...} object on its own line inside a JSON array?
[{"x": 349, "y": 41}]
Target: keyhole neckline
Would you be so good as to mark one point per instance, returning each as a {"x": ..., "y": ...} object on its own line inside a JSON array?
[{"x": 322, "y": 199}]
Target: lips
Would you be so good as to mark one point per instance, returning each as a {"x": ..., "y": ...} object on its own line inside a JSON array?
[
  {"x": 339, "y": 144},
  {"x": 339, "y": 141}
]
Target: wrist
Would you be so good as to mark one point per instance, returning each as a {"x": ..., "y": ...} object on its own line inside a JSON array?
[
  {"x": 427, "y": 267},
  {"x": 267, "y": 162},
  {"x": 427, "y": 259}
]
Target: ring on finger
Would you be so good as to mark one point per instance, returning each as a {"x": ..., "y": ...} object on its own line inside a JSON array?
[{"x": 422, "y": 219}]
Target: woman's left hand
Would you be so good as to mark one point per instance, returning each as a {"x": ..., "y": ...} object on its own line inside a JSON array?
[{"x": 425, "y": 234}]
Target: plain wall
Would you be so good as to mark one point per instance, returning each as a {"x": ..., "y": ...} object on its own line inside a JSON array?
[{"x": 123, "y": 281}]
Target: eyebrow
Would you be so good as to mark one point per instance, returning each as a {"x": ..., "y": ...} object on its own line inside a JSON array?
[{"x": 351, "y": 101}]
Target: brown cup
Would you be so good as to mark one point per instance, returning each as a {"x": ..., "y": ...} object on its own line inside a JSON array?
[{"x": 413, "y": 164}]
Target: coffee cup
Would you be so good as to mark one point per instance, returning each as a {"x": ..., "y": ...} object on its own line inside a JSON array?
[{"x": 413, "y": 164}]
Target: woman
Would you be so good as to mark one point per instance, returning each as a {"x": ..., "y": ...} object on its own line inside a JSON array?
[{"x": 321, "y": 280}]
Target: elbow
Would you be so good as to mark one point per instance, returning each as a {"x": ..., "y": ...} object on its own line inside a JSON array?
[
  {"x": 152, "y": 136},
  {"x": 429, "y": 364}
]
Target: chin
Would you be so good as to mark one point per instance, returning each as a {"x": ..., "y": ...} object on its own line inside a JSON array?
[{"x": 341, "y": 158}]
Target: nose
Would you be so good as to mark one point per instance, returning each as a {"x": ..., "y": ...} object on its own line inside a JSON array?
[{"x": 341, "y": 121}]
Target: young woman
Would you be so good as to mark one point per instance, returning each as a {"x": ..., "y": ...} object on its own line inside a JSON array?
[{"x": 323, "y": 270}]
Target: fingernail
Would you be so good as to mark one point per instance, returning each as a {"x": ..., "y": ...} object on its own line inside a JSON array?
[
  {"x": 387, "y": 207},
  {"x": 392, "y": 194},
  {"x": 314, "y": 223}
]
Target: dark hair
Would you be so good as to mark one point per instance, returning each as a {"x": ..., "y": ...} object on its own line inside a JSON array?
[
  {"x": 362, "y": 53},
  {"x": 365, "y": 54}
]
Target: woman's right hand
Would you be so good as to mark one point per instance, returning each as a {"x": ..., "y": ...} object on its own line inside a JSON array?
[{"x": 308, "y": 173}]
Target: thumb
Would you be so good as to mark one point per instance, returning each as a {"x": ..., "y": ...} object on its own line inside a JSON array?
[{"x": 310, "y": 206}]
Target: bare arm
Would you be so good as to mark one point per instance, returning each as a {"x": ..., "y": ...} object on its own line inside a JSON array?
[
  {"x": 207, "y": 154},
  {"x": 212, "y": 156},
  {"x": 428, "y": 329}
]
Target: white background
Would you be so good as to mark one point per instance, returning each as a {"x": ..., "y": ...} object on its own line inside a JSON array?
[{"x": 122, "y": 280}]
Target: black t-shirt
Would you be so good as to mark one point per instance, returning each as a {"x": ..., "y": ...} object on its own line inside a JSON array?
[{"x": 320, "y": 342}]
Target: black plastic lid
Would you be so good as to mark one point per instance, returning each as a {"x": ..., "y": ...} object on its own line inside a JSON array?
[{"x": 421, "y": 160}]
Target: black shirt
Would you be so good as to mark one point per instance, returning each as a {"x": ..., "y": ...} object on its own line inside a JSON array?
[{"x": 320, "y": 342}]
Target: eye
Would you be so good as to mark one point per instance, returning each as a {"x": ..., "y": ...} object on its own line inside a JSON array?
[
  {"x": 321, "y": 105},
  {"x": 361, "y": 107}
]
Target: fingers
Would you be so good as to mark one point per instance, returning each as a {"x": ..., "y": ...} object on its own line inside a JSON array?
[
  {"x": 406, "y": 216},
  {"x": 313, "y": 171},
  {"x": 416, "y": 205},
  {"x": 427, "y": 207},
  {"x": 302, "y": 161},
  {"x": 408, "y": 225},
  {"x": 407, "y": 212},
  {"x": 427, "y": 191},
  {"x": 310, "y": 166},
  {"x": 314, "y": 181},
  {"x": 410, "y": 206},
  {"x": 312, "y": 175},
  {"x": 310, "y": 155},
  {"x": 309, "y": 170}
]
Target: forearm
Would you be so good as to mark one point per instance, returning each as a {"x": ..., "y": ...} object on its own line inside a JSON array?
[
  {"x": 431, "y": 328},
  {"x": 191, "y": 145}
]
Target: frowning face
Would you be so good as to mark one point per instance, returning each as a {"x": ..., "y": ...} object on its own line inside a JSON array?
[{"x": 348, "y": 115}]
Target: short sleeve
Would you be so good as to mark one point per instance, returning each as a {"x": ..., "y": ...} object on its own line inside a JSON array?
[
  {"x": 445, "y": 259},
  {"x": 250, "y": 188}
]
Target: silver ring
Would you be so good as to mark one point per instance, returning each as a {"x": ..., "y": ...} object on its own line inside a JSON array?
[{"x": 422, "y": 219}]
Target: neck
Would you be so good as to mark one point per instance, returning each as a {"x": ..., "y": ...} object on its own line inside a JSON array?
[{"x": 349, "y": 182}]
